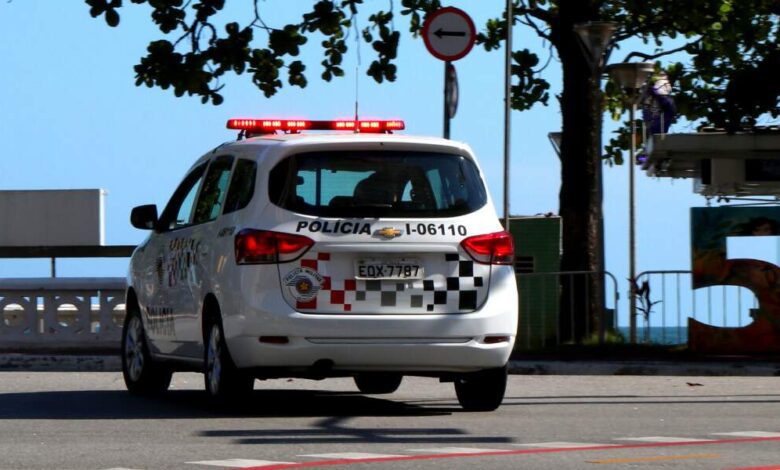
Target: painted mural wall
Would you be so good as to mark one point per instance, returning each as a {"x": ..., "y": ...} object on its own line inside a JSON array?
[{"x": 710, "y": 229}]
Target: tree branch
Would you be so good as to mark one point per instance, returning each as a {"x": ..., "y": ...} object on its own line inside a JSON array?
[
  {"x": 539, "y": 31},
  {"x": 550, "y": 56},
  {"x": 258, "y": 21},
  {"x": 649, "y": 57},
  {"x": 533, "y": 9}
]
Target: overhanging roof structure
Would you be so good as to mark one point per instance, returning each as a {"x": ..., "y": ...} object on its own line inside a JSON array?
[{"x": 721, "y": 164}]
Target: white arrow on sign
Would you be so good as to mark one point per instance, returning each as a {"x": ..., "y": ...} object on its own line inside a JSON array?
[{"x": 449, "y": 34}]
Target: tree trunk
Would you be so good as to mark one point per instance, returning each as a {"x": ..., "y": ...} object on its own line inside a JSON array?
[{"x": 581, "y": 182}]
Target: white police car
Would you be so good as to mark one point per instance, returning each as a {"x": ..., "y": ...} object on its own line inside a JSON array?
[{"x": 295, "y": 254}]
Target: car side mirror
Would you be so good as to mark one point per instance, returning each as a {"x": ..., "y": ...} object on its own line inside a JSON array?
[{"x": 144, "y": 217}]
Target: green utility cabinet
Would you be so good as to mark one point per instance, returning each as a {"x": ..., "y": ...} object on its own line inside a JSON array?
[{"x": 537, "y": 262}]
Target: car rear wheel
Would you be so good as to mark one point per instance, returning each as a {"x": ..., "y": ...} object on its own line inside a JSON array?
[
  {"x": 142, "y": 375},
  {"x": 222, "y": 379},
  {"x": 378, "y": 383},
  {"x": 483, "y": 390}
]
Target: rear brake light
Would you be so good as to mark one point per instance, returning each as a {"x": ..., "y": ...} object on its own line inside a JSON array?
[
  {"x": 491, "y": 248},
  {"x": 265, "y": 246}
]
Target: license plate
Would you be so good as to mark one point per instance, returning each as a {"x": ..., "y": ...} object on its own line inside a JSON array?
[{"x": 396, "y": 268}]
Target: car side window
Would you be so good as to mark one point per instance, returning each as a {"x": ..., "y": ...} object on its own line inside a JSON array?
[
  {"x": 215, "y": 186},
  {"x": 242, "y": 185},
  {"x": 178, "y": 211}
]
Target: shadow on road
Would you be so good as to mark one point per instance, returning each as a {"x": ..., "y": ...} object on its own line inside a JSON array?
[
  {"x": 334, "y": 408},
  {"x": 118, "y": 404},
  {"x": 334, "y": 431}
]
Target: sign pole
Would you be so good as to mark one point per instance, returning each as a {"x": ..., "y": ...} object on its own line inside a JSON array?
[
  {"x": 446, "y": 100},
  {"x": 449, "y": 34}
]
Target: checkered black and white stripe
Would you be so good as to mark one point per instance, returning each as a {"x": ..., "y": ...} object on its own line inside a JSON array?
[{"x": 459, "y": 287}]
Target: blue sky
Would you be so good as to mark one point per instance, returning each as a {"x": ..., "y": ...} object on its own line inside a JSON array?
[{"x": 72, "y": 117}]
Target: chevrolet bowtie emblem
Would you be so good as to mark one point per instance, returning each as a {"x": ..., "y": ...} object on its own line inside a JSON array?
[{"x": 389, "y": 232}]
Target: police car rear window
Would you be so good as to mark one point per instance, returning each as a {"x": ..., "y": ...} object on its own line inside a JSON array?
[{"x": 377, "y": 184}]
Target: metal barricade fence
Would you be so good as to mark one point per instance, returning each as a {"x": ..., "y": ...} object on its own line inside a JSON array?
[
  {"x": 543, "y": 294},
  {"x": 671, "y": 300},
  {"x": 82, "y": 313}
]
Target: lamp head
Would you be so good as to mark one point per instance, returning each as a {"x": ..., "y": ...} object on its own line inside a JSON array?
[
  {"x": 595, "y": 36},
  {"x": 555, "y": 140},
  {"x": 631, "y": 76}
]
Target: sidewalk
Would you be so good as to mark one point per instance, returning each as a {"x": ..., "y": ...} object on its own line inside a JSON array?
[{"x": 111, "y": 363}]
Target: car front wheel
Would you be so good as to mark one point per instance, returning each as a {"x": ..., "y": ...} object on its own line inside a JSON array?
[{"x": 483, "y": 390}]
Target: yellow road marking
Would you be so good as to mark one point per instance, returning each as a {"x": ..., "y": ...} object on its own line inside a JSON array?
[{"x": 656, "y": 458}]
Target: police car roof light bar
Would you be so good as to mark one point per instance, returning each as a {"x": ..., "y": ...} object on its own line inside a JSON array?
[{"x": 269, "y": 126}]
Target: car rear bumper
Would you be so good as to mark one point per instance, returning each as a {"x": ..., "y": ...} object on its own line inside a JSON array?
[
  {"x": 414, "y": 342},
  {"x": 372, "y": 354}
]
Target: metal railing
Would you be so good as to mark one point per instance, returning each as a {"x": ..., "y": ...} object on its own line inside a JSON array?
[
  {"x": 673, "y": 300},
  {"x": 544, "y": 295},
  {"x": 61, "y": 314}
]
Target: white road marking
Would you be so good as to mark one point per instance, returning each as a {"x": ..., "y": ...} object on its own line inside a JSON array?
[
  {"x": 563, "y": 445},
  {"x": 349, "y": 456},
  {"x": 661, "y": 439},
  {"x": 456, "y": 450},
  {"x": 748, "y": 434},
  {"x": 238, "y": 463}
]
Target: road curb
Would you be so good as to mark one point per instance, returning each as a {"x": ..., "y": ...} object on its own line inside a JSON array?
[
  {"x": 112, "y": 363},
  {"x": 676, "y": 368},
  {"x": 60, "y": 363}
]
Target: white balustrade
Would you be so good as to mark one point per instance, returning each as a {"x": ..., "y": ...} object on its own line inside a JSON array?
[{"x": 61, "y": 314}]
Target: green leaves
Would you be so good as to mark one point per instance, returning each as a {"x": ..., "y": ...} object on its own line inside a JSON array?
[
  {"x": 286, "y": 41},
  {"x": 530, "y": 89},
  {"x": 295, "y": 72},
  {"x": 417, "y": 10},
  {"x": 334, "y": 50},
  {"x": 167, "y": 15},
  {"x": 728, "y": 39},
  {"x": 495, "y": 32},
  {"x": 325, "y": 18},
  {"x": 264, "y": 66},
  {"x": 386, "y": 46},
  {"x": 231, "y": 52},
  {"x": 107, "y": 8}
]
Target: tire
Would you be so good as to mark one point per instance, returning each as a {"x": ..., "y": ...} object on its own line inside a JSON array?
[
  {"x": 483, "y": 390},
  {"x": 223, "y": 381},
  {"x": 142, "y": 374},
  {"x": 377, "y": 383}
]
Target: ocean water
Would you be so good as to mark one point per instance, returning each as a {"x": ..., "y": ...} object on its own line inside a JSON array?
[{"x": 659, "y": 334}]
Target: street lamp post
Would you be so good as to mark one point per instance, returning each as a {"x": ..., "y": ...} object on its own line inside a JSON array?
[
  {"x": 631, "y": 76},
  {"x": 510, "y": 16}
]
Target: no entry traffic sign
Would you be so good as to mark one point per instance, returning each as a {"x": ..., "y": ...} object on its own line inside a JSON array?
[{"x": 449, "y": 34}]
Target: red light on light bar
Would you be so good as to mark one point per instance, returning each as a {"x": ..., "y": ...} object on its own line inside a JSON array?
[
  {"x": 271, "y": 125},
  {"x": 365, "y": 126},
  {"x": 344, "y": 125},
  {"x": 268, "y": 125},
  {"x": 242, "y": 123},
  {"x": 394, "y": 125}
]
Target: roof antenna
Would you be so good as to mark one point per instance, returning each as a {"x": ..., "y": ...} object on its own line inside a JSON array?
[{"x": 357, "y": 74}]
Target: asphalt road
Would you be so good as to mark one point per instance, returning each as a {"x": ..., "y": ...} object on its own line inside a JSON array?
[{"x": 87, "y": 421}]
